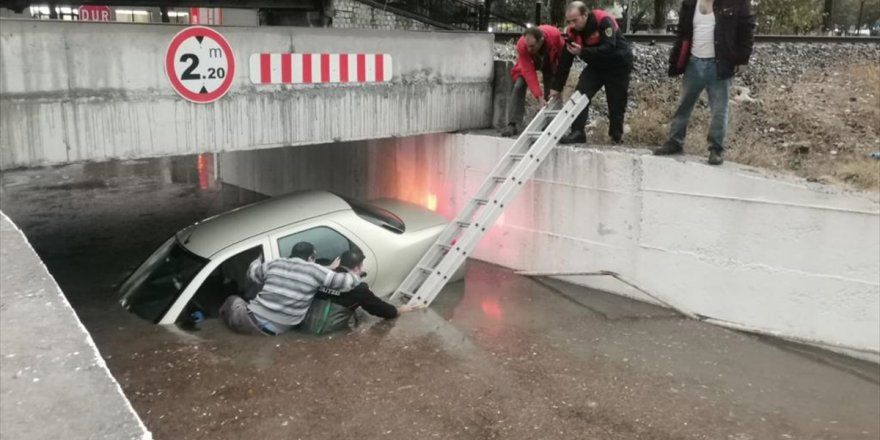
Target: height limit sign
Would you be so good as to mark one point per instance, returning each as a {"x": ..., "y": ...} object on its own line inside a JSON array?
[{"x": 200, "y": 64}]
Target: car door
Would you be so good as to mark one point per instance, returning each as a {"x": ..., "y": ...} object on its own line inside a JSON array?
[
  {"x": 226, "y": 264},
  {"x": 330, "y": 240}
]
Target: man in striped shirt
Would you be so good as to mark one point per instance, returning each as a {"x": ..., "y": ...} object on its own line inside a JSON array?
[{"x": 289, "y": 285}]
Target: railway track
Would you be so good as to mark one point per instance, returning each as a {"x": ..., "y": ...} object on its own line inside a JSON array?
[{"x": 669, "y": 38}]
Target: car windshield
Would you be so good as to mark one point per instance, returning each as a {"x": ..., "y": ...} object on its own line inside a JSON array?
[
  {"x": 151, "y": 290},
  {"x": 377, "y": 216}
]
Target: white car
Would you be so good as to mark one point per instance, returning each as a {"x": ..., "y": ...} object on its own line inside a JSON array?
[{"x": 197, "y": 268}]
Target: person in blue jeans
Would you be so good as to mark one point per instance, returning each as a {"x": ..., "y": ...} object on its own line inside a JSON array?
[{"x": 714, "y": 41}]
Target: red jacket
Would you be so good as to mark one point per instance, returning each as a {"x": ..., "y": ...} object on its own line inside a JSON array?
[{"x": 525, "y": 66}]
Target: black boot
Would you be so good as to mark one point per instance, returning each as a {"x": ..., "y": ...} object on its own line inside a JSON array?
[
  {"x": 574, "y": 137},
  {"x": 716, "y": 157},
  {"x": 510, "y": 131},
  {"x": 667, "y": 148}
]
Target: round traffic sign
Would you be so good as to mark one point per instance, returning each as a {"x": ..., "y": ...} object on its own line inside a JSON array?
[{"x": 200, "y": 64}]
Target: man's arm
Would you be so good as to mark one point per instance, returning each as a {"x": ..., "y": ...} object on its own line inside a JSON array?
[
  {"x": 371, "y": 303},
  {"x": 341, "y": 281},
  {"x": 607, "y": 40},
  {"x": 565, "y": 60},
  {"x": 745, "y": 32},
  {"x": 257, "y": 271}
]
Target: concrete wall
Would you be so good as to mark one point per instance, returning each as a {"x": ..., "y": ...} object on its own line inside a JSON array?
[
  {"x": 240, "y": 17},
  {"x": 414, "y": 168},
  {"x": 55, "y": 382},
  {"x": 84, "y": 91},
  {"x": 773, "y": 254}
]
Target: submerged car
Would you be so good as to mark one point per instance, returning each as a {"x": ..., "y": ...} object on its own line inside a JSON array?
[{"x": 196, "y": 269}]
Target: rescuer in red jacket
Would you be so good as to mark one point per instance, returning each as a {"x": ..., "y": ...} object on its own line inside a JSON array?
[{"x": 537, "y": 49}]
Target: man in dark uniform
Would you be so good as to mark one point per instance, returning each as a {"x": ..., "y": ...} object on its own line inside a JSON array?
[
  {"x": 595, "y": 37},
  {"x": 332, "y": 310}
]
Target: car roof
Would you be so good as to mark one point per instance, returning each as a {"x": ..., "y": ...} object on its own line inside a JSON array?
[{"x": 209, "y": 236}]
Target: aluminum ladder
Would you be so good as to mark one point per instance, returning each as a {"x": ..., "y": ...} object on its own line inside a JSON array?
[{"x": 461, "y": 236}]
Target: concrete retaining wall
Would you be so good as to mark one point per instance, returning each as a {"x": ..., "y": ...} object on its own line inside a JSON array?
[
  {"x": 96, "y": 91},
  {"x": 55, "y": 383},
  {"x": 774, "y": 254}
]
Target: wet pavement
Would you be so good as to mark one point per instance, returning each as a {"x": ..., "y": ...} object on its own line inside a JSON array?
[{"x": 497, "y": 356}]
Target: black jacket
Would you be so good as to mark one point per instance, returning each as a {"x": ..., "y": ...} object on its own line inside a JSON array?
[
  {"x": 331, "y": 310},
  {"x": 611, "y": 50},
  {"x": 734, "y": 36}
]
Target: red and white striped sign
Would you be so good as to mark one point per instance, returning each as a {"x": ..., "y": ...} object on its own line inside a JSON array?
[{"x": 319, "y": 68}]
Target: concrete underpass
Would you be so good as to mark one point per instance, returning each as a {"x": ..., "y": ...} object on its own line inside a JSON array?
[{"x": 793, "y": 264}]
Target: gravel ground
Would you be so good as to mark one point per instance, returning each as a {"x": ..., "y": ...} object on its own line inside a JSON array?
[{"x": 808, "y": 109}]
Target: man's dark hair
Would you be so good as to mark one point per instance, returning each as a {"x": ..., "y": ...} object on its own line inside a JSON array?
[
  {"x": 302, "y": 250},
  {"x": 351, "y": 259},
  {"x": 534, "y": 32}
]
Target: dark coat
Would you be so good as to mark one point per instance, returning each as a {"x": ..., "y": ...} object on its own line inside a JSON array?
[{"x": 332, "y": 310}]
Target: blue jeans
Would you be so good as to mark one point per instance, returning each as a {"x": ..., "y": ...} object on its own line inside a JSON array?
[{"x": 701, "y": 74}]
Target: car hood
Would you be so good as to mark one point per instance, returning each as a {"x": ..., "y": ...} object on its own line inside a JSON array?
[{"x": 415, "y": 217}]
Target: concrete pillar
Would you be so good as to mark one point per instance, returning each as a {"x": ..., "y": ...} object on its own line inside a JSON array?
[{"x": 501, "y": 92}]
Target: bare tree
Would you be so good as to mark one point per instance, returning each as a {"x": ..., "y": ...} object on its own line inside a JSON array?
[
  {"x": 660, "y": 14},
  {"x": 827, "y": 24},
  {"x": 557, "y": 12}
]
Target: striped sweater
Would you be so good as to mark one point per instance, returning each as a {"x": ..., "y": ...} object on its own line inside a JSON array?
[{"x": 289, "y": 284}]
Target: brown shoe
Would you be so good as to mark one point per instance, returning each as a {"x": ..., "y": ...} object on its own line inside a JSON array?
[{"x": 667, "y": 149}]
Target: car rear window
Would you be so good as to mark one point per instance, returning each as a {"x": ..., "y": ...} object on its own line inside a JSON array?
[{"x": 378, "y": 216}]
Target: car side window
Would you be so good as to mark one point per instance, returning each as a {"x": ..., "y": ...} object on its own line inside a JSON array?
[
  {"x": 229, "y": 278},
  {"x": 328, "y": 243}
]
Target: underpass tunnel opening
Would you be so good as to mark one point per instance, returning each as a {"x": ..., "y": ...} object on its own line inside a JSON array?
[{"x": 154, "y": 201}]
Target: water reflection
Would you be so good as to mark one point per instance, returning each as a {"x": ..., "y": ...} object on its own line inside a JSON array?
[{"x": 496, "y": 356}]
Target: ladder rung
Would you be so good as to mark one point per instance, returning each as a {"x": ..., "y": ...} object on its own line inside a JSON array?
[{"x": 431, "y": 273}]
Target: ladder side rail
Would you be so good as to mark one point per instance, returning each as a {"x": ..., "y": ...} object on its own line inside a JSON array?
[
  {"x": 434, "y": 282},
  {"x": 451, "y": 259}
]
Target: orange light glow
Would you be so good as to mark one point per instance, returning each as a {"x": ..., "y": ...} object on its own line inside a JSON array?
[
  {"x": 431, "y": 202},
  {"x": 203, "y": 172},
  {"x": 205, "y": 164},
  {"x": 491, "y": 308}
]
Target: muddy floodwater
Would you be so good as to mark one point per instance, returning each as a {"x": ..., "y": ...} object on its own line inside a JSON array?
[{"x": 498, "y": 356}]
